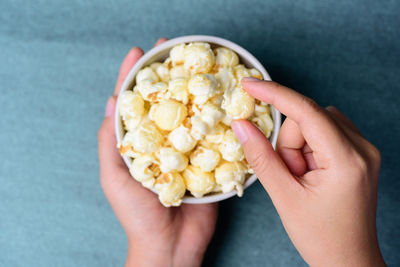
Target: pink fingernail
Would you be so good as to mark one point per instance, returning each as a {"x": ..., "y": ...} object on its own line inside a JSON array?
[
  {"x": 250, "y": 79},
  {"x": 109, "y": 107},
  {"x": 239, "y": 131}
]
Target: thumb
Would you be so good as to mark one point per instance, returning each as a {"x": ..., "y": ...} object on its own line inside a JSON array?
[
  {"x": 111, "y": 163},
  {"x": 267, "y": 165}
]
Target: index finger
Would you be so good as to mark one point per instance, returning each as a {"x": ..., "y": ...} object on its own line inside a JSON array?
[
  {"x": 317, "y": 127},
  {"x": 129, "y": 61}
]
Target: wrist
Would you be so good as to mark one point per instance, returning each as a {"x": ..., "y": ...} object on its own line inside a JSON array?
[
  {"x": 188, "y": 258},
  {"x": 162, "y": 255},
  {"x": 365, "y": 258},
  {"x": 371, "y": 258},
  {"x": 142, "y": 257}
]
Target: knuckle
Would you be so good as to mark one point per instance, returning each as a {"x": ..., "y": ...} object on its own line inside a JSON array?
[
  {"x": 276, "y": 85},
  {"x": 330, "y": 107},
  {"x": 374, "y": 156},
  {"x": 310, "y": 105},
  {"x": 332, "y": 110},
  {"x": 361, "y": 165},
  {"x": 375, "y": 153}
]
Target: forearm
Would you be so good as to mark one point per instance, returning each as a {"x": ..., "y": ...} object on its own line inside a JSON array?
[
  {"x": 366, "y": 255},
  {"x": 162, "y": 257}
]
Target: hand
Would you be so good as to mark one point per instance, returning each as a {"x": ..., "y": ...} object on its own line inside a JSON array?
[
  {"x": 157, "y": 236},
  {"x": 322, "y": 179}
]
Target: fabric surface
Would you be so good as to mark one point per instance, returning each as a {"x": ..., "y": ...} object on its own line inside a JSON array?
[{"x": 58, "y": 64}]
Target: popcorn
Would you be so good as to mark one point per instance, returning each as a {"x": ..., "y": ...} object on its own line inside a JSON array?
[
  {"x": 132, "y": 123},
  {"x": 126, "y": 146},
  {"x": 179, "y": 89},
  {"x": 241, "y": 72},
  {"x": 230, "y": 147},
  {"x": 169, "y": 114},
  {"x": 226, "y": 78},
  {"x": 256, "y": 74},
  {"x": 155, "y": 65},
  {"x": 225, "y": 57},
  {"x": 177, "y": 54},
  {"x": 168, "y": 63},
  {"x": 203, "y": 87},
  {"x": 131, "y": 108},
  {"x": 264, "y": 123},
  {"x": 170, "y": 188},
  {"x": 227, "y": 120},
  {"x": 198, "y": 182},
  {"x": 216, "y": 100},
  {"x": 181, "y": 139},
  {"x": 150, "y": 91},
  {"x": 238, "y": 104},
  {"x": 171, "y": 160},
  {"x": 261, "y": 109},
  {"x": 206, "y": 159},
  {"x": 144, "y": 169},
  {"x": 146, "y": 138},
  {"x": 161, "y": 70},
  {"x": 199, "y": 127},
  {"x": 211, "y": 114},
  {"x": 146, "y": 74},
  {"x": 160, "y": 92},
  {"x": 230, "y": 176},
  {"x": 198, "y": 58},
  {"x": 177, "y": 120},
  {"x": 216, "y": 135},
  {"x": 131, "y": 105},
  {"x": 179, "y": 72},
  {"x": 208, "y": 145}
]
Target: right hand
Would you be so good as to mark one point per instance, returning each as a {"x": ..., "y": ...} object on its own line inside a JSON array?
[{"x": 322, "y": 178}]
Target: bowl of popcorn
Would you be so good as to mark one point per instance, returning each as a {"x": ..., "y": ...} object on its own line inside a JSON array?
[{"x": 173, "y": 119}]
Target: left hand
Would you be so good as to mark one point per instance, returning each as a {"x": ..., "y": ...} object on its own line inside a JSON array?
[{"x": 157, "y": 236}]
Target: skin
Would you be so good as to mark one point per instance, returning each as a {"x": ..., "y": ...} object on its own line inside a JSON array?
[
  {"x": 157, "y": 236},
  {"x": 322, "y": 179}
]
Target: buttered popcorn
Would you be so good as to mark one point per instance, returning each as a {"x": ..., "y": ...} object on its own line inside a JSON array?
[
  {"x": 168, "y": 114},
  {"x": 177, "y": 120},
  {"x": 144, "y": 169},
  {"x": 231, "y": 175}
]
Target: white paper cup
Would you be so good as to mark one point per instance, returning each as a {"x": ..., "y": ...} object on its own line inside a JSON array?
[{"x": 159, "y": 54}]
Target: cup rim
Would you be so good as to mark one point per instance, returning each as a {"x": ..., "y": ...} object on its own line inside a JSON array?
[{"x": 162, "y": 48}]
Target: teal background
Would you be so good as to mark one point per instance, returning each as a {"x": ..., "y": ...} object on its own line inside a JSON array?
[{"x": 58, "y": 64}]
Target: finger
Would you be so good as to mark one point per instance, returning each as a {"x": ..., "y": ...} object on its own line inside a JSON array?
[
  {"x": 113, "y": 171},
  {"x": 130, "y": 60},
  {"x": 333, "y": 110},
  {"x": 111, "y": 163},
  {"x": 160, "y": 41},
  {"x": 318, "y": 129},
  {"x": 308, "y": 155},
  {"x": 289, "y": 147},
  {"x": 269, "y": 168}
]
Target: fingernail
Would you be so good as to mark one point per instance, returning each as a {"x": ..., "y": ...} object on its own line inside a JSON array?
[
  {"x": 109, "y": 107},
  {"x": 239, "y": 131},
  {"x": 250, "y": 79}
]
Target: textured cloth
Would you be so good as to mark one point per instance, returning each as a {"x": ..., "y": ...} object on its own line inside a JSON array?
[{"x": 58, "y": 65}]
